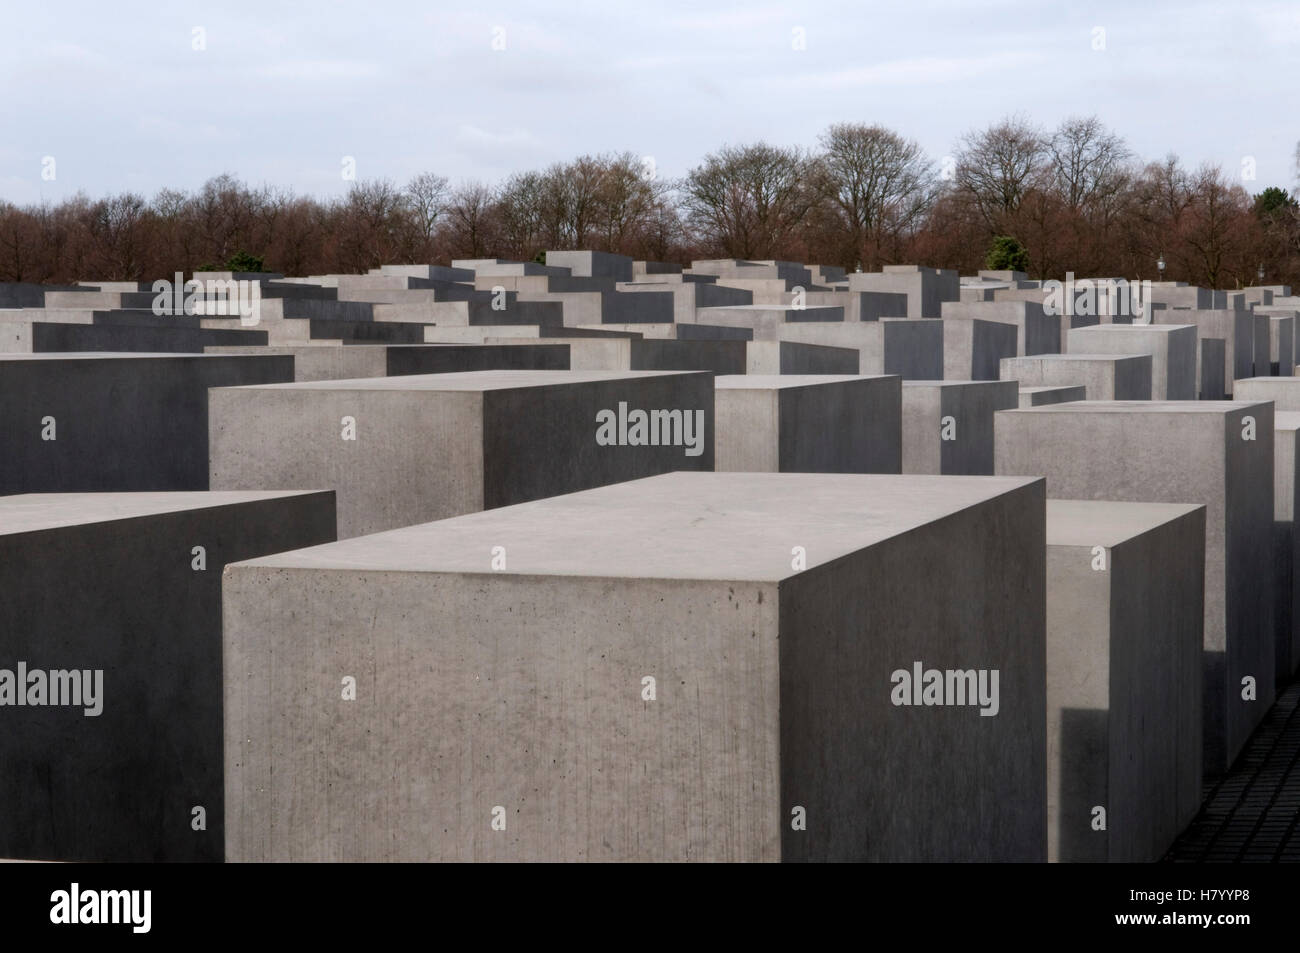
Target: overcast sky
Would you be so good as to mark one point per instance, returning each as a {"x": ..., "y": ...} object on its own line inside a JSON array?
[{"x": 281, "y": 92}]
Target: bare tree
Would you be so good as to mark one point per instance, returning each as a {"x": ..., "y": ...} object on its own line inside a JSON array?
[
  {"x": 427, "y": 194},
  {"x": 1089, "y": 164},
  {"x": 748, "y": 201},
  {"x": 881, "y": 183},
  {"x": 471, "y": 220},
  {"x": 996, "y": 167}
]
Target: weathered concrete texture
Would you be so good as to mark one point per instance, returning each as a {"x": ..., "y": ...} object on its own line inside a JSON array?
[
  {"x": 1219, "y": 454},
  {"x": 973, "y": 348},
  {"x": 83, "y": 422},
  {"x": 807, "y": 424},
  {"x": 1172, "y": 348},
  {"x": 404, "y": 450},
  {"x": 911, "y": 349},
  {"x": 792, "y": 357},
  {"x": 1104, "y": 376},
  {"x": 773, "y": 688},
  {"x": 111, "y": 582},
  {"x": 1124, "y": 628},
  {"x": 1038, "y": 396},
  {"x": 1286, "y": 549},
  {"x": 948, "y": 425}
]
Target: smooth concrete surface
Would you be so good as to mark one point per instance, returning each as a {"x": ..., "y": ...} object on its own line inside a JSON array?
[
  {"x": 1037, "y": 396},
  {"x": 774, "y": 686},
  {"x": 437, "y": 445},
  {"x": 793, "y": 357},
  {"x": 911, "y": 349},
  {"x": 1124, "y": 616},
  {"x": 111, "y": 583},
  {"x": 973, "y": 348},
  {"x": 1172, "y": 348},
  {"x": 1104, "y": 376},
  {"x": 1218, "y": 454},
  {"x": 1284, "y": 392},
  {"x": 97, "y": 422},
  {"x": 331, "y": 362},
  {"x": 794, "y": 423},
  {"x": 948, "y": 425}
]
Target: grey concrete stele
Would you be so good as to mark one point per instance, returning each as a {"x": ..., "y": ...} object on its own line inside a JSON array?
[
  {"x": 91, "y": 422},
  {"x": 1219, "y": 454},
  {"x": 1104, "y": 376},
  {"x": 405, "y": 450},
  {"x": 807, "y": 424},
  {"x": 1125, "y": 583},
  {"x": 1172, "y": 348},
  {"x": 1286, "y": 541},
  {"x": 127, "y": 584},
  {"x": 948, "y": 425},
  {"x": 698, "y": 666}
]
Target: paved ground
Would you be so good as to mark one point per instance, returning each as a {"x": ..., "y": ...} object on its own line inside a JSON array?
[{"x": 1252, "y": 813}]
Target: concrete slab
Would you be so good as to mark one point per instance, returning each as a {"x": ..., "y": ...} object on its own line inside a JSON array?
[
  {"x": 807, "y": 424},
  {"x": 1104, "y": 376},
  {"x": 1038, "y": 396},
  {"x": 112, "y": 591},
  {"x": 792, "y": 357},
  {"x": 404, "y": 450},
  {"x": 1124, "y": 618},
  {"x": 1219, "y": 454},
  {"x": 776, "y": 731},
  {"x": 1172, "y": 348},
  {"x": 973, "y": 348},
  {"x": 911, "y": 349},
  {"x": 948, "y": 425},
  {"x": 87, "y": 422},
  {"x": 1286, "y": 549}
]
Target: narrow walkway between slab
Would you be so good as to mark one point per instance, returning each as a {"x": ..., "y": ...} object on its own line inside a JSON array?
[{"x": 1252, "y": 813}]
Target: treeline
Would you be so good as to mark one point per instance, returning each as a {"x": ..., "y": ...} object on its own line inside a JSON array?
[{"x": 1073, "y": 198}]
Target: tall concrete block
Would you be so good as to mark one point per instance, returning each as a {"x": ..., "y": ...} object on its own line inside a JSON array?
[
  {"x": 1036, "y": 331},
  {"x": 926, "y": 288},
  {"x": 1209, "y": 370},
  {"x": 1104, "y": 376},
  {"x": 83, "y": 422},
  {"x": 775, "y": 688},
  {"x": 948, "y": 425},
  {"x": 592, "y": 264},
  {"x": 973, "y": 348},
  {"x": 1218, "y": 454},
  {"x": 332, "y": 362},
  {"x": 1124, "y": 628},
  {"x": 404, "y": 450},
  {"x": 119, "y": 596},
  {"x": 1284, "y": 392},
  {"x": 1235, "y": 328},
  {"x": 807, "y": 424},
  {"x": 1172, "y": 348},
  {"x": 911, "y": 349},
  {"x": 1281, "y": 345},
  {"x": 1286, "y": 548}
]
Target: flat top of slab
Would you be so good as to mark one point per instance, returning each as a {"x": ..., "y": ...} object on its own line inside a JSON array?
[
  {"x": 469, "y": 380},
  {"x": 1079, "y": 357},
  {"x": 781, "y": 381},
  {"x": 1142, "y": 407},
  {"x": 1286, "y": 420},
  {"x": 683, "y": 525},
  {"x": 117, "y": 356},
  {"x": 1046, "y": 388},
  {"x": 1268, "y": 380},
  {"x": 769, "y": 307},
  {"x": 1107, "y": 523},
  {"x": 29, "y": 512},
  {"x": 1162, "y": 328},
  {"x": 952, "y": 383}
]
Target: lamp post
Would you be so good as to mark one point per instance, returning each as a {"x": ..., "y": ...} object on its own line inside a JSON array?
[
  {"x": 1260, "y": 273},
  {"x": 1160, "y": 264}
]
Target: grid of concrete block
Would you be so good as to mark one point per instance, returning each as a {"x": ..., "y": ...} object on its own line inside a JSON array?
[{"x": 604, "y": 560}]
